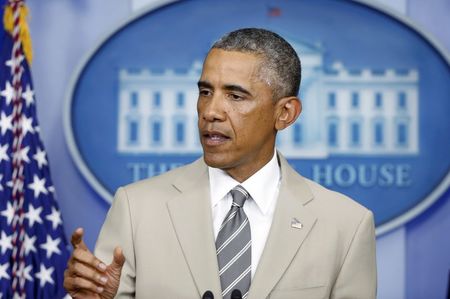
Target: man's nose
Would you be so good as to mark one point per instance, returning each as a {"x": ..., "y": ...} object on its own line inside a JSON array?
[{"x": 213, "y": 109}]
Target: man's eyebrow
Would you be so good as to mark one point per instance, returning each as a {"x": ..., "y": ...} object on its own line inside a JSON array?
[
  {"x": 204, "y": 84},
  {"x": 229, "y": 87},
  {"x": 232, "y": 87}
]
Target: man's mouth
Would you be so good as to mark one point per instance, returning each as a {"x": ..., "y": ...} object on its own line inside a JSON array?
[{"x": 214, "y": 138}]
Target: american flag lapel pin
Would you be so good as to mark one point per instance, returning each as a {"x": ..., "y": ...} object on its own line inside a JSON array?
[{"x": 295, "y": 223}]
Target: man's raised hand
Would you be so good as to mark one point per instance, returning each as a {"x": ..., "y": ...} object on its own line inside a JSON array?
[{"x": 88, "y": 277}]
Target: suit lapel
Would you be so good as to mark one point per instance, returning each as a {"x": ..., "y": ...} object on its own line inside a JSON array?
[
  {"x": 190, "y": 213},
  {"x": 284, "y": 240}
]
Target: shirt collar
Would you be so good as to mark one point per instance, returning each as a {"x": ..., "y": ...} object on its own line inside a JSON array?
[{"x": 268, "y": 176}]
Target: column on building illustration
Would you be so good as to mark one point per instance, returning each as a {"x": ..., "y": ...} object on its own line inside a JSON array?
[
  {"x": 180, "y": 119},
  {"x": 378, "y": 126},
  {"x": 404, "y": 125},
  {"x": 133, "y": 118},
  {"x": 355, "y": 122},
  {"x": 332, "y": 120},
  {"x": 333, "y": 128},
  {"x": 156, "y": 120},
  {"x": 129, "y": 119}
]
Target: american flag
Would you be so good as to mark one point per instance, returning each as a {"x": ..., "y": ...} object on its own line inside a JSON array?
[
  {"x": 273, "y": 11},
  {"x": 33, "y": 248}
]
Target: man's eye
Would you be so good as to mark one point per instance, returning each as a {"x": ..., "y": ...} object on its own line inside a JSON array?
[
  {"x": 235, "y": 97},
  {"x": 204, "y": 92}
]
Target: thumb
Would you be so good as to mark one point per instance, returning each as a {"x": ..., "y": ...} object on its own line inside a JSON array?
[
  {"x": 77, "y": 239},
  {"x": 118, "y": 259}
]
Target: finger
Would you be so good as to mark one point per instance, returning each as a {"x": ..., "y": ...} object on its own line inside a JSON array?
[
  {"x": 86, "y": 257},
  {"x": 84, "y": 271},
  {"x": 77, "y": 239},
  {"x": 76, "y": 283},
  {"x": 118, "y": 259}
]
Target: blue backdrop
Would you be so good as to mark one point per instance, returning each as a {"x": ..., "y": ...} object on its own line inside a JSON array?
[{"x": 414, "y": 260}]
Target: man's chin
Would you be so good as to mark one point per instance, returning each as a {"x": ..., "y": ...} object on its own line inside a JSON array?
[{"x": 213, "y": 160}]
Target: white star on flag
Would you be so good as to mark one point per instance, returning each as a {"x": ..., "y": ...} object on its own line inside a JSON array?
[
  {"x": 4, "y": 271},
  {"x": 13, "y": 62},
  {"x": 4, "y": 152},
  {"x": 27, "y": 125},
  {"x": 54, "y": 217},
  {"x": 33, "y": 215},
  {"x": 5, "y": 122},
  {"x": 28, "y": 96},
  {"x": 51, "y": 189},
  {"x": 25, "y": 272},
  {"x": 8, "y": 213},
  {"x": 5, "y": 242},
  {"x": 38, "y": 186},
  {"x": 40, "y": 158},
  {"x": 45, "y": 275},
  {"x": 9, "y": 184},
  {"x": 22, "y": 154},
  {"x": 28, "y": 244},
  {"x": 51, "y": 246},
  {"x": 8, "y": 93},
  {"x": 1, "y": 185}
]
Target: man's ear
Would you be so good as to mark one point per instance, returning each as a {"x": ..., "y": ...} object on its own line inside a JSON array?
[{"x": 288, "y": 110}]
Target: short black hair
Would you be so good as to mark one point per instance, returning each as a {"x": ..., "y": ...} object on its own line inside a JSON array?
[{"x": 281, "y": 67}]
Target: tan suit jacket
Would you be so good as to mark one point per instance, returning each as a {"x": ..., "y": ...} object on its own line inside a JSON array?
[{"x": 164, "y": 226}]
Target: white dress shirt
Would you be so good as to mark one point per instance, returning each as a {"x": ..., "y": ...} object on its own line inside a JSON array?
[{"x": 263, "y": 187}]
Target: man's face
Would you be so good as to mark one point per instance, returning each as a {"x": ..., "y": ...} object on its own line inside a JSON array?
[{"x": 236, "y": 113}]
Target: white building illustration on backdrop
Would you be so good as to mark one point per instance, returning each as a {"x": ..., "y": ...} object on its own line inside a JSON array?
[{"x": 345, "y": 112}]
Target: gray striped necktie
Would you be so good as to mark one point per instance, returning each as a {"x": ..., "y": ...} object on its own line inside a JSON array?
[{"x": 233, "y": 246}]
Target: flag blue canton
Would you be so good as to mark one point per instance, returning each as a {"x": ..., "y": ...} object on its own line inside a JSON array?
[{"x": 42, "y": 247}]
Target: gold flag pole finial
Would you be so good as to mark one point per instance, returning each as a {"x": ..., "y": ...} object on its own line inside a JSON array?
[{"x": 24, "y": 35}]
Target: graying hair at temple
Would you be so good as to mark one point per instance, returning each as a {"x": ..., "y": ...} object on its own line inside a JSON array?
[{"x": 281, "y": 68}]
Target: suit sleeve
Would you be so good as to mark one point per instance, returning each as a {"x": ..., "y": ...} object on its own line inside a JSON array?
[
  {"x": 357, "y": 277},
  {"x": 117, "y": 231}
]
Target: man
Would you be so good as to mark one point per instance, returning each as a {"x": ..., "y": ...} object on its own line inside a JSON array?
[{"x": 240, "y": 219}]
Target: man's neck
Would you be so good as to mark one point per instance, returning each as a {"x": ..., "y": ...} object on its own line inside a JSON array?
[{"x": 241, "y": 174}]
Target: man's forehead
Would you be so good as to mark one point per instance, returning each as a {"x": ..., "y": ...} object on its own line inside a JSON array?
[
  {"x": 234, "y": 55},
  {"x": 232, "y": 65}
]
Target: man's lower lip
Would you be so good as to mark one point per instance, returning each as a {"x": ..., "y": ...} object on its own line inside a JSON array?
[{"x": 214, "y": 141}]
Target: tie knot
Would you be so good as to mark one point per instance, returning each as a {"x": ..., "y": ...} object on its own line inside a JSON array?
[{"x": 239, "y": 195}]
